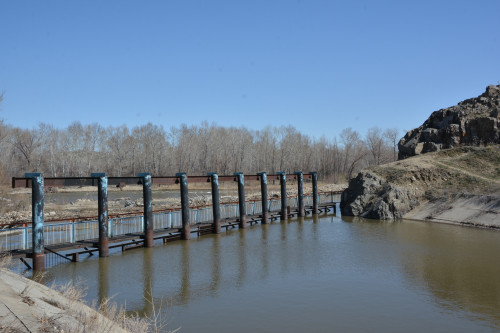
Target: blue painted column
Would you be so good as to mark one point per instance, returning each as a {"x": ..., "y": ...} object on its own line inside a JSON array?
[
  {"x": 102, "y": 208},
  {"x": 240, "y": 178},
  {"x": 284, "y": 214},
  {"x": 315, "y": 191},
  {"x": 186, "y": 224},
  {"x": 148, "y": 209},
  {"x": 300, "y": 195},
  {"x": 37, "y": 219},
  {"x": 214, "y": 178},
  {"x": 263, "y": 193}
]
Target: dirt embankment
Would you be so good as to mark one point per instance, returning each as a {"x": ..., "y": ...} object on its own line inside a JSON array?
[{"x": 459, "y": 185}]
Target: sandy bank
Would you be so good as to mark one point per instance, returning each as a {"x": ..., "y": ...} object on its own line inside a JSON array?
[{"x": 465, "y": 209}]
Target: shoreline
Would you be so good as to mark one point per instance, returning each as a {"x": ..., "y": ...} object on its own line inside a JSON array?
[
  {"x": 473, "y": 210},
  {"x": 28, "y": 306},
  {"x": 454, "y": 223}
]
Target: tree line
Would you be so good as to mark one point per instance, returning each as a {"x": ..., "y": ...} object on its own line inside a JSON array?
[{"x": 78, "y": 150}]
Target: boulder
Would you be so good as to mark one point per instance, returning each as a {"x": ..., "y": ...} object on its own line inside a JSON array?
[
  {"x": 371, "y": 196},
  {"x": 475, "y": 121}
]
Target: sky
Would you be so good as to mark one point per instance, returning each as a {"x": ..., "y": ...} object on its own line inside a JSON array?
[{"x": 320, "y": 66}]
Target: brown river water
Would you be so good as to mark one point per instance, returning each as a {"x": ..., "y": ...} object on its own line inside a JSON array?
[{"x": 325, "y": 274}]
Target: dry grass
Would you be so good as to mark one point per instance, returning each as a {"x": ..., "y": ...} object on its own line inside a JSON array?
[
  {"x": 5, "y": 260},
  {"x": 117, "y": 316},
  {"x": 457, "y": 170}
]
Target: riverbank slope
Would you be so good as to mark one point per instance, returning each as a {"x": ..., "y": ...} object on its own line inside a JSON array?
[
  {"x": 459, "y": 185},
  {"x": 28, "y": 306}
]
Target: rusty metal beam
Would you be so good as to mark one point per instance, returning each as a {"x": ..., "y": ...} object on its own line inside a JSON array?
[
  {"x": 282, "y": 177},
  {"x": 241, "y": 199},
  {"x": 300, "y": 194},
  {"x": 37, "y": 216},
  {"x": 165, "y": 180},
  {"x": 102, "y": 208},
  {"x": 215, "y": 202},
  {"x": 26, "y": 182},
  {"x": 315, "y": 192},
  {"x": 186, "y": 226},
  {"x": 263, "y": 195},
  {"x": 148, "y": 210}
]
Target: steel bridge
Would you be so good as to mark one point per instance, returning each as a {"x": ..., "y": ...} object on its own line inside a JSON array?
[{"x": 67, "y": 240}]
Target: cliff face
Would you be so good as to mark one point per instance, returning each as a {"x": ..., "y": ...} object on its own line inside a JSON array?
[{"x": 472, "y": 122}]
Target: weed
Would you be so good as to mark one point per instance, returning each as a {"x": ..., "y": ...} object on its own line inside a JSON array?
[
  {"x": 24, "y": 296},
  {"x": 74, "y": 292},
  {"x": 5, "y": 260}
]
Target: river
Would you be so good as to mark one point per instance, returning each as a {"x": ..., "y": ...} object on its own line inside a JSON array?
[{"x": 326, "y": 274}]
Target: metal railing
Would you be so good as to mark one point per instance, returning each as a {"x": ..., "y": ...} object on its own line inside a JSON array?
[{"x": 20, "y": 238}]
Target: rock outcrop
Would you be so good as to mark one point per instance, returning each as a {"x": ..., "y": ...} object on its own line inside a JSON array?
[
  {"x": 371, "y": 196},
  {"x": 475, "y": 121}
]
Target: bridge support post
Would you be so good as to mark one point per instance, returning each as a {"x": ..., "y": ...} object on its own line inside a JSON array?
[
  {"x": 315, "y": 192},
  {"x": 241, "y": 199},
  {"x": 148, "y": 209},
  {"x": 284, "y": 214},
  {"x": 214, "y": 178},
  {"x": 102, "y": 209},
  {"x": 300, "y": 195},
  {"x": 186, "y": 226},
  {"x": 37, "y": 219},
  {"x": 263, "y": 192}
]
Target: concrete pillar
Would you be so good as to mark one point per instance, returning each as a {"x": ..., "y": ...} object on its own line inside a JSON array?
[
  {"x": 102, "y": 209},
  {"x": 148, "y": 209},
  {"x": 300, "y": 195},
  {"x": 37, "y": 219},
  {"x": 315, "y": 192},
  {"x": 263, "y": 193},
  {"x": 186, "y": 224},
  {"x": 284, "y": 214},
  {"x": 214, "y": 178},
  {"x": 241, "y": 199}
]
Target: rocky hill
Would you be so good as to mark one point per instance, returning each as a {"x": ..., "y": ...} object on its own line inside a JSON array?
[
  {"x": 472, "y": 122},
  {"x": 459, "y": 185}
]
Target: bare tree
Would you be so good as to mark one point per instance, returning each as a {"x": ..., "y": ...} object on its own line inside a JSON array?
[
  {"x": 26, "y": 143},
  {"x": 392, "y": 136},
  {"x": 80, "y": 149},
  {"x": 375, "y": 144},
  {"x": 115, "y": 147},
  {"x": 354, "y": 150}
]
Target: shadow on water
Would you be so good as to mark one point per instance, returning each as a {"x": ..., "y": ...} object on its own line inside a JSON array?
[{"x": 335, "y": 268}]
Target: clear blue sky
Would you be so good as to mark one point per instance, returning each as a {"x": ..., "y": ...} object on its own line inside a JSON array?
[{"x": 320, "y": 66}]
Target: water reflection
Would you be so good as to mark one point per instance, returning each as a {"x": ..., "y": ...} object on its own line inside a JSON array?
[
  {"x": 314, "y": 269},
  {"x": 184, "y": 292},
  {"x": 458, "y": 265},
  {"x": 103, "y": 277},
  {"x": 265, "y": 251},
  {"x": 216, "y": 264},
  {"x": 242, "y": 257},
  {"x": 148, "y": 277}
]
